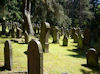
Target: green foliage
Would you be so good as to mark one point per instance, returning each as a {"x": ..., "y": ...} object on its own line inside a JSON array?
[{"x": 51, "y": 11}]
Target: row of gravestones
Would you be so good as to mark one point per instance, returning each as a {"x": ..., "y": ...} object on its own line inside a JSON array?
[{"x": 35, "y": 57}]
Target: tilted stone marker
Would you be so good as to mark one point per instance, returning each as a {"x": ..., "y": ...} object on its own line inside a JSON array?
[
  {"x": 65, "y": 40},
  {"x": 92, "y": 58},
  {"x": 8, "y": 60},
  {"x": 19, "y": 33},
  {"x": 35, "y": 57},
  {"x": 26, "y": 37},
  {"x": 44, "y": 35},
  {"x": 55, "y": 35}
]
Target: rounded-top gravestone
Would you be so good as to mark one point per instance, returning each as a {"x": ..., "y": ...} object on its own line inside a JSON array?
[
  {"x": 35, "y": 57},
  {"x": 92, "y": 58}
]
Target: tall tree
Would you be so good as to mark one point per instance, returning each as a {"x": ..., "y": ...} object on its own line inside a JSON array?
[{"x": 27, "y": 17}]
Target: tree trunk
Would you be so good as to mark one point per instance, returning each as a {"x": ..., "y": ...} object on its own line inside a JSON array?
[{"x": 27, "y": 18}]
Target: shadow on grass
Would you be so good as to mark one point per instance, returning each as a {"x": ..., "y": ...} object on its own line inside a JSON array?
[
  {"x": 80, "y": 53},
  {"x": 94, "y": 70},
  {"x": 2, "y": 68}
]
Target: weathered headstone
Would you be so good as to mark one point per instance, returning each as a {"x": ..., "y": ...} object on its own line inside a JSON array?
[
  {"x": 35, "y": 57},
  {"x": 8, "y": 60},
  {"x": 55, "y": 34},
  {"x": 80, "y": 41},
  {"x": 19, "y": 33},
  {"x": 65, "y": 40},
  {"x": 92, "y": 58},
  {"x": 44, "y": 35},
  {"x": 26, "y": 37}
]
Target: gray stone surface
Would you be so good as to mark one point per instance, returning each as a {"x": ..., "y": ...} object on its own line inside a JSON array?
[
  {"x": 8, "y": 60},
  {"x": 44, "y": 35},
  {"x": 92, "y": 58},
  {"x": 35, "y": 57}
]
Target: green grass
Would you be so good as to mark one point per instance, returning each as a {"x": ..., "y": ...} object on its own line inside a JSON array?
[{"x": 59, "y": 59}]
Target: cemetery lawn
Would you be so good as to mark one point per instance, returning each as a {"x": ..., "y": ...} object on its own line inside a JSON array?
[{"x": 60, "y": 58}]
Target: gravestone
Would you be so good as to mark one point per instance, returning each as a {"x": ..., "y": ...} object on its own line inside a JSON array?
[
  {"x": 26, "y": 37},
  {"x": 19, "y": 33},
  {"x": 62, "y": 31},
  {"x": 12, "y": 32},
  {"x": 8, "y": 61},
  {"x": 92, "y": 58},
  {"x": 67, "y": 32},
  {"x": 35, "y": 57},
  {"x": 65, "y": 40},
  {"x": 55, "y": 35},
  {"x": 75, "y": 38},
  {"x": 44, "y": 35},
  {"x": 72, "y": 33},
  {"x": 86, "y": 35},
  {"x": 80, "y": 41}
]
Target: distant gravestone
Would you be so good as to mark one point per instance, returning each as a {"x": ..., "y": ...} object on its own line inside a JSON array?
[
  {"x": 44, "y": 35},
  {"x": 19, "y": 33},
  {"x": 72, "y": 32},
  {"x": 92, "y": 58},
  {"x": 86, "y": 35},
  {"x": 65, "y": 40},
  {"x": 62, "y": 31},
  {"x": 55, "y": 34},
  {"x": 35, "y": 57},
  {"x": 26, "y": 37},
  {"x": 80, "y": 41},
  {"x": 12, "y": 32},
  {"x": 67, "y": 32},
  {"x": 8, "y": 60},
  {"x": 75, "y": 38}
]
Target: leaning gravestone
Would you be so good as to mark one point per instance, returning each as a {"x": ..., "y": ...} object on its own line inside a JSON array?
[
  {"x": 65, "y": 40},
  {"x": 92, "y": 58},
  {"x": 55, "y": 35},
  {"x": 19, "y": 33},
  {"x": 35, "y": 57},
  {"x": 26, "y": 37},
  {"x": 80, "y": 41},
  {"x": 44, "y": 35},
  {"x": 8, "y": 61}
]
